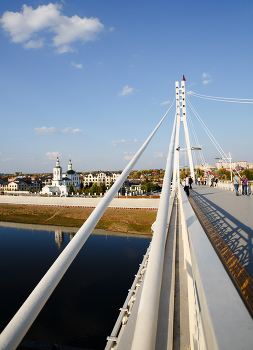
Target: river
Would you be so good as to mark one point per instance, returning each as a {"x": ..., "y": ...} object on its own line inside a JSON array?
[{"x": 83, "y": 308}]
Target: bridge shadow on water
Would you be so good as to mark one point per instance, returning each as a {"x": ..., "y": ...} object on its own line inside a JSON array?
[{"x": 235, "y": 233}]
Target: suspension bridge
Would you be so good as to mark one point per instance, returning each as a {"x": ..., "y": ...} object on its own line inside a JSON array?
[{"x": 194, "y": 287}]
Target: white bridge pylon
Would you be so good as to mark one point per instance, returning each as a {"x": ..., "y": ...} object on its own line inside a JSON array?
[{"x": 181, "y": 117}]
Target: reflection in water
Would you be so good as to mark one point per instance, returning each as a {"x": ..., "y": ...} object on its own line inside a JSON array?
[
  {"x": 71, "y": 235},
  {"x": 59, "y": 237},
  {"x": 83, "y": 308}
]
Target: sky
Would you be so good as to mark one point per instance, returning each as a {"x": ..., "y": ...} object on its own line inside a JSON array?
[{"x": 91, "y": 79}]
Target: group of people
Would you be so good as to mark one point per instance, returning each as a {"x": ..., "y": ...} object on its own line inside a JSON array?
[
  {"x": 203, "y": 180},
  {"x": 243, "y": 181},
  {"x": 187, "y": 183}
]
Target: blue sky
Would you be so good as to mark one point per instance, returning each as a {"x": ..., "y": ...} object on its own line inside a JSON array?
[{"x": 92, "y": 79}]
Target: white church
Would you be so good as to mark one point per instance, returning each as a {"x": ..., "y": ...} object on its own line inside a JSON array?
[{"x": 61, "y": 182}]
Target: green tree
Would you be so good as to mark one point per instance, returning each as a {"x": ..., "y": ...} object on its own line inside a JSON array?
[
  {"x": 94, "y": 189},
  {"x": 225, "y": 174},
  {"x": 71, "y": 189},
  {"x": 111, "y": 184},
  {"x": 199, "y": 172},
  {"x": 248, "y": 173},
  {"x": 103, "y": 187},
  {"x": 150, "y": 186}
]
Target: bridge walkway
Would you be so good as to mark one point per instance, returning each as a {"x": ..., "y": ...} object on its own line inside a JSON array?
[
  {"x": 173, "y": 314},
  {"x": 228, "y": 222}
]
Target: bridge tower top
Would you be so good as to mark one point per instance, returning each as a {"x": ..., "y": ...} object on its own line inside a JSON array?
[{"x": 181, "y": 117}]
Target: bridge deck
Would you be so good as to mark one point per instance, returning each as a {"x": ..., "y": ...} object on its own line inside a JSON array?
[{"x": 232, "y": 217}]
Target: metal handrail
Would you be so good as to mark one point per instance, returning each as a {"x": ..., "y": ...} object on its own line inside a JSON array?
[
  {"x": 147, "y": 317},
  {"x": 218, "y": 317}
]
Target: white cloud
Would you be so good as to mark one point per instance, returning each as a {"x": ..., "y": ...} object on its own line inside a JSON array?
[
  {"x": 45, "y": 131},
  {"x": 129, "y": 155},
  {"x": 7, "y": 160},
  {"x": 52, "y": 155},
  {"x": 116, "y": 142},
  {"x": 66, "y": 130},
  {"x": 77, "y": 65},
  {"x": 135, "y": 140},
  {"x": 65, "y": 49},
  {"x": 75, "y": 28},
  {"x": 30, "y": 157},
  {"x": 205, "y": 75},
  {"x": 205, "y": 82},
  {"x": 34, "y": 44},
  {"x": 76, "y": 131},
  {"x": 111, "y": 29},
  {"x": 126, "y": 91},
  {"x": 164, "y": 103},
  {"x": 159, "y": 155},
  {"x": 28, "y": 23}
]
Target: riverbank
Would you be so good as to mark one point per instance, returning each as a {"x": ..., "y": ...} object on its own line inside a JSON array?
[
  {"x": 123, "y": 202},
  {"x": 114, "y": 219}
]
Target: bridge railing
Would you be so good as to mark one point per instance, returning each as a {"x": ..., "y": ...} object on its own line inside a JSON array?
[
  {"x": 218, "y": 318},
  {"x": 227, "y": 185}
]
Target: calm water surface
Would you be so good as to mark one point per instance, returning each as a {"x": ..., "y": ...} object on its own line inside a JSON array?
[{"x": 84, "y": 306}]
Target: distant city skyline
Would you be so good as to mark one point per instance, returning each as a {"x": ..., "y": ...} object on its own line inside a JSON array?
[{"x": 93, "y": 79}]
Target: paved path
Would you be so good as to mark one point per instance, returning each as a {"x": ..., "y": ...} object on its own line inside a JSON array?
[
  {"x": 232, "y": 216},
  {"x": 148, "y": 203}
]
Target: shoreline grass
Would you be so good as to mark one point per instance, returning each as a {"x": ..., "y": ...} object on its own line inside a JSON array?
[{"x": 117, "y": 220}]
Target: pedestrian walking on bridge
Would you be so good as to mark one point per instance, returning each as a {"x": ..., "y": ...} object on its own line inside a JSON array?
[
  {"x": 244, "y": 185},
  {"x": 186, "y": 186},
  {"x": 236, "y": 181},
  {"x": 190, "y": 182}
]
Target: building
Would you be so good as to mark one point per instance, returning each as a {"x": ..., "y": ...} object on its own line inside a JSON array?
[
  {"x": 61, "y": 182},
  {"x": 46, "y": 180},
  {"x": 234, "y": 165},
  {"x": 99, "y": 178},
  {"x": 3, "y": 184},
  {"x": 206, "y": 167},
  {"x": 17, "y": 185}
]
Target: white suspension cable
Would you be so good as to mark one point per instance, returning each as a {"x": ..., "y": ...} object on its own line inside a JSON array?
[
  {"x": 212, "y": 138},
  {"x": 220, "y": 100},
  {"x": 224, "y": 98},
  {"x": 196, "y": 139}
]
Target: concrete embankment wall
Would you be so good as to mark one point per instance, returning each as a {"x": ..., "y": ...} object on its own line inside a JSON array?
[{"x": 140, "y": 203}]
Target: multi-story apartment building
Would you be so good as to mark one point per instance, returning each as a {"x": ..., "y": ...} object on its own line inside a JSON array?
[
  {"x": 17, "y": 185},
  {"x": 226, "y": 165},
  {"x": 102, "y": 177},
  {"x": 205, "y": 166}
]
